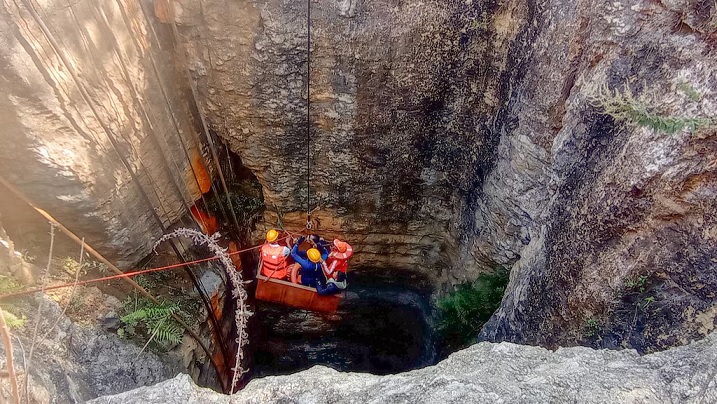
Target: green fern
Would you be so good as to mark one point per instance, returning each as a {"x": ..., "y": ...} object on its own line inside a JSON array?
[
  {"x": 145, "y": 281},
  {"x": 624, "y": 107},
  {"x": 152, "y": 321},
  {"x": 462, "y": 313},
  {"x": 12, "y": 320},
  {"x": 168, "y": 332}
]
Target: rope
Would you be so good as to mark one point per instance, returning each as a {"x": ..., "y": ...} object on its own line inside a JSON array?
[
  {"x": 128, "y": 274},
  {"x": 308, "y": 111},
  {"x": 116, "y": 270}
]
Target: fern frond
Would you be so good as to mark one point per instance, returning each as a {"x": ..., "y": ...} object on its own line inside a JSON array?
[
  {"x": 623, "y": 106},
  {"x": 157, "y": 319},
  {"x": 169, "y": 333}
]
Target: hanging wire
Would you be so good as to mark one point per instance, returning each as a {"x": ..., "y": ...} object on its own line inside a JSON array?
[
  {"x": 168, "y": 105},
  {"x": 126, "y": 274},
  {"x": 308, "y": 113},
  {"x": 189, "y": 270},
  {"x": 116, "y": 270}
]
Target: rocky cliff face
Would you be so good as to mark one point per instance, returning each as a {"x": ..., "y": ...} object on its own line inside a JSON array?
[
  {"x": 404, "y": 97},
  {"x": 86, "y": 86},
  {"x": 620, "y": 218},
  {"x": 73, "y": 363},
  {"x": 448, "y": 137},
  {"x": 482, "y": 373}
]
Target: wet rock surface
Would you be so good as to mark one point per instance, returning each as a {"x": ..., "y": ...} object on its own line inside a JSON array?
[{"x": 485, "y": 372}]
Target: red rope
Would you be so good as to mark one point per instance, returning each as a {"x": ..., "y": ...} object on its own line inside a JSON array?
[{"x": 125, "y": 275}]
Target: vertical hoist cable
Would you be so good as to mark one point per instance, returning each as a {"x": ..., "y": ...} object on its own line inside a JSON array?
[{"x": 308, "y": 109}]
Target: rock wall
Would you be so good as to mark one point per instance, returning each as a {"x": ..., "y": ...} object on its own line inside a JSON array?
[
  {"x": 448, "y": 137},
  {"x": 403, "y": 98},
  {"x": 115, "y": 91},
  {"x": 451, "y": 137},
  {"x": 73, "y": 363},
  {"x": 618, "y": 219},
  {"x": 482, "y": 373}
]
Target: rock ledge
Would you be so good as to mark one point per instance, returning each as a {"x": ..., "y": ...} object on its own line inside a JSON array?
[{"x": 485, "y": 372}]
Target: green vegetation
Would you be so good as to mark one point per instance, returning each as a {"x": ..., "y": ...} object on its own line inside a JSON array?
[
  {"x": 8, "y": 284},
  {"x": 461, "y": 314},
  {"x": 146, "y": 281},
  {"x": 624, "y": 107},
  {"x": 246, "y": 198},
  {"x": 77, "y": 303},
  {"x": 151, "y": 322},
  {"x": 689, "y": 91},
  {"x": 245, "y": 207},
  {"x": 13, "y": 320},
  {"x": 592, "y": 328},
  {"x": 637, "y": 284},
  {"x": 70, "y": 265}
]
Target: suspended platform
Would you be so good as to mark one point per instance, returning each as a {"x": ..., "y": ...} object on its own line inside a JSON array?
[{"x": 295, "y": 295}]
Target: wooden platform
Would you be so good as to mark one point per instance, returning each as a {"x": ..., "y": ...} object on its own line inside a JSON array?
[{"x": 295, "y": 295}]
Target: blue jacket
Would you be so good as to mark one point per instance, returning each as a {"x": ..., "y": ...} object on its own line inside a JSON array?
[
  {"x": 309, "y": 271},
  {"x": 323, "y": 287}
]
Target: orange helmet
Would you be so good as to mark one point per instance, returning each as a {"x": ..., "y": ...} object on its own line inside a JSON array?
[
  {"x": 272, "y": 235},
  {"x": 342, "y": 246}
]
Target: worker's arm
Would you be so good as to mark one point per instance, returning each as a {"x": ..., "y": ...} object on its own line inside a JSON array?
[
  {"x": 304, "y": 262},
  {"x": 324, "y": 252}
]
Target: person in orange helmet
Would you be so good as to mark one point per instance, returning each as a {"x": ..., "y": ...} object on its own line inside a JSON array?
[
  {"x": 273, "y": 257},
  {"x": 334, "y": 269}
]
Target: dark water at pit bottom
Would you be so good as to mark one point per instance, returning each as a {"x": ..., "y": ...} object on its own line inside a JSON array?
[{"x": 378, "y": 329}]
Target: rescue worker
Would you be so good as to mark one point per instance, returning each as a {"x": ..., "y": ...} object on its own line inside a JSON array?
[
  {"x": 334, "y": 269},
  {"x": 310, "y": 266},
  {"x": 273, "y": 257},
  {"x": 339, "y": 256}
]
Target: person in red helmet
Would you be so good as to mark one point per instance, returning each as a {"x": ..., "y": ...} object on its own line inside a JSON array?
[{"x": 334, "y": 269}]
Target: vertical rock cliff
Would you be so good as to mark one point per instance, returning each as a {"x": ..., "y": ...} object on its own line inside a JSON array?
[
  {"x": 448, "y": 138},
  {"x": 88, "y": 90}
]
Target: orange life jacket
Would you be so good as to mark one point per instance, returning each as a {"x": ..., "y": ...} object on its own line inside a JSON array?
[{"x": 273, "y": 261}]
